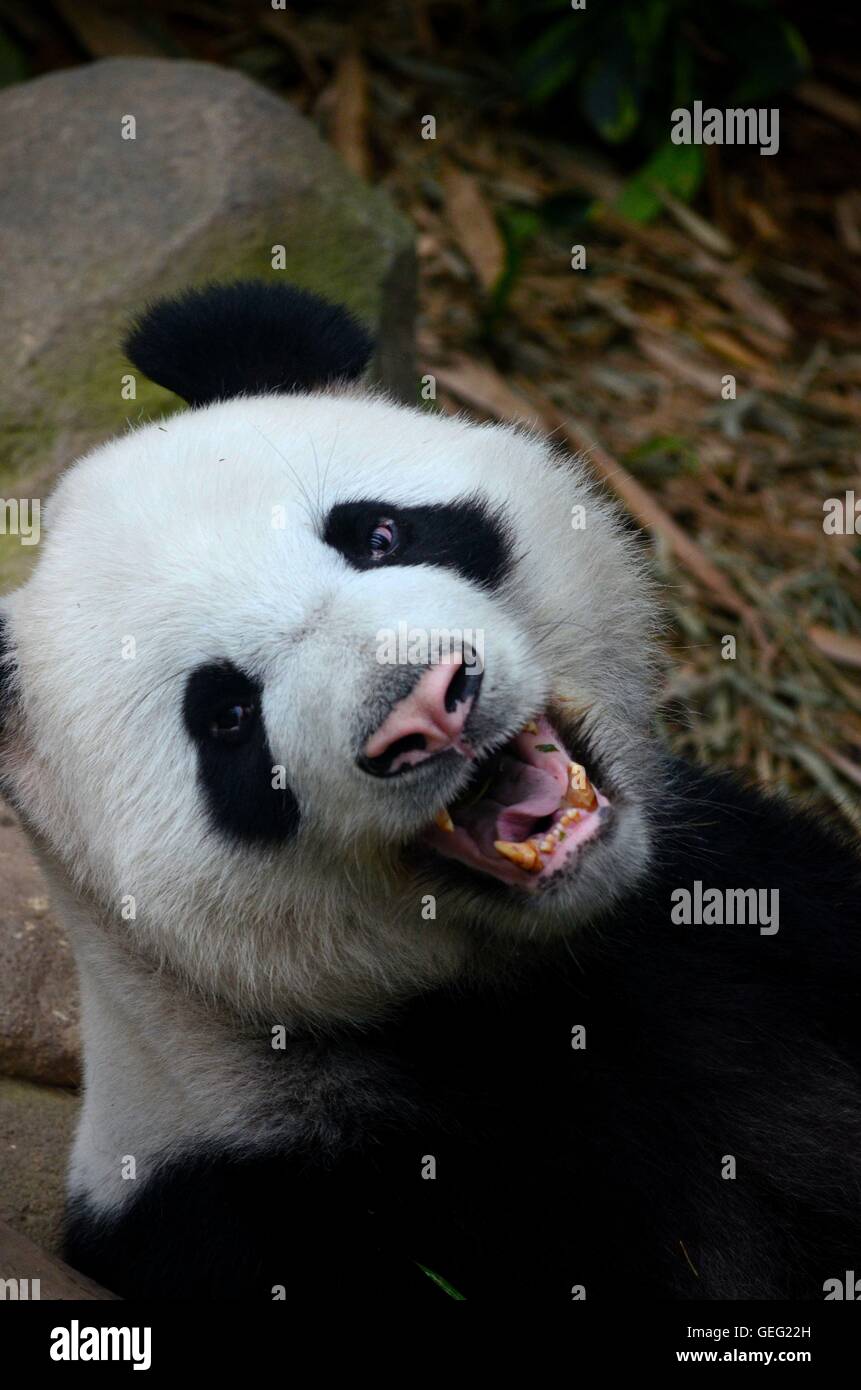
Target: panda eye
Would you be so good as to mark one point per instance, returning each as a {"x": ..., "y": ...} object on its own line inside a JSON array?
[
  {"x": 383, "y": 540},
  {"x": 233, "y": 723}
]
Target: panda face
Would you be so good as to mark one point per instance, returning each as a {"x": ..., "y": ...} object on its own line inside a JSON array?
[{"x": 251, "y": 728}]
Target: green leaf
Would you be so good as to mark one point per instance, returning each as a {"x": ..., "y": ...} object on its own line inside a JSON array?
[
  {"x": 661, "y": 456},
  {"x": 548, "y": 64},
  {"x": 609, "y": 101},
  {"x": 547, "y": 748},
  {"x": 645, "y": 24},
  {"x": 443, "y": 1283},
  {"x": 677, "y": 168},
  {"x": 518, "y": 226}
]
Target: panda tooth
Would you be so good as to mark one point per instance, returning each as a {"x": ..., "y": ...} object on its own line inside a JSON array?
[
  {"x": 546, "y": 846},
  {"x": 444, "y": 820},
  {"x": 524, "y": 855},
  {"x": 580, "y": 791},
  {"x": 531, "y": 727}
]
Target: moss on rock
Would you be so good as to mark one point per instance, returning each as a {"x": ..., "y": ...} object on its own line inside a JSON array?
[{"x": 220, "y": 173}]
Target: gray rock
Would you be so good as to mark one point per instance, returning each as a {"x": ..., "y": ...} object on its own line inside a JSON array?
[
  {"x": 37, "y": 1126},
  {"x": 93, "y": 225},
  {"x": 39, "y": 1013}
]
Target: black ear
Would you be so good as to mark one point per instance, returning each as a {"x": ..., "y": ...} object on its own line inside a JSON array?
[{"x": 250, "y": 338}]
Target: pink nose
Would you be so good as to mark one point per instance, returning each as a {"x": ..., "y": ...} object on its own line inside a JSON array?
[{"x": 428, "y": 721}]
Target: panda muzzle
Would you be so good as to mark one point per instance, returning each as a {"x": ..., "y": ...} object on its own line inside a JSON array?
[{"x": 429, "y": 721}]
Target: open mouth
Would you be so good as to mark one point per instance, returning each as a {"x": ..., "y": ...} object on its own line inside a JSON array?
[{"x": 529, "y": 810}]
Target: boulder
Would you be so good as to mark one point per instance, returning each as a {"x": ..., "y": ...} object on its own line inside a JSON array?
[
  {"x": 39, "y": 1015},
  {"x": 93, "y": 225}
]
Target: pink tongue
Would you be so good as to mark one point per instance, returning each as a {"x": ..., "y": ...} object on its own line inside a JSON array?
[{"x": 524, "y": 794}]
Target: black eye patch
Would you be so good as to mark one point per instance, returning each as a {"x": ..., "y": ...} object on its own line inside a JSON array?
[
  {"x": 223, "y": 715},
  {"x": 464, "y": 536}
]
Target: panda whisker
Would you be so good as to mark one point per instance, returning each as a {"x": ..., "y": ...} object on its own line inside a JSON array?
[
  {"x": 154, "y": 689},
  {"x": 309, "y": 509},
  {"x": 318, "y": 506},
  {"x": 329, "y": 460}
]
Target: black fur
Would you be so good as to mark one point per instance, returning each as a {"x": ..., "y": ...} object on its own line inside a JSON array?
[
  {"x": 248, "y": 338},
  {"x": 559, "y": 1167},
  {"x": 9, "y": 695},
  {"x": 5, "y": 670},
  {"x": 465, "y": 536},
  {"x": 7, "y": 673},
  {"x": 236, "y": 775}
]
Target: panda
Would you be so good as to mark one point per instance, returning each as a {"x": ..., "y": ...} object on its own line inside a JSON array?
[{"x": 385, "y": 992}]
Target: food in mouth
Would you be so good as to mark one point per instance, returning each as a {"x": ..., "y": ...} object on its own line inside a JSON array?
[{"x": 528, "y": 811}]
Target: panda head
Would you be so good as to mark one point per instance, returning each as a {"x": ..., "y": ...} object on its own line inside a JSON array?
[{"x": 292, "y": 699}]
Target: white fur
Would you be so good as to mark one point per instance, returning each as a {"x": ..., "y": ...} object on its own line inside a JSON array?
[{"x": 166, "y": 536}]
